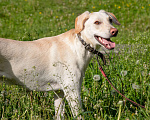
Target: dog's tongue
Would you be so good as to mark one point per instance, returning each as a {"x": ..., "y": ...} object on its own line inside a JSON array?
[{"x": 108, "y": 43}]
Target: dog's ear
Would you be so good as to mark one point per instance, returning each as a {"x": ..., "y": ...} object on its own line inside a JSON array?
[
  {"x": 114, "y": 19},
  {"x": 80, "y": 20}
]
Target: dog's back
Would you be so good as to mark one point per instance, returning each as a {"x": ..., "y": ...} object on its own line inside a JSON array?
[{"x": 32, "y": 63}]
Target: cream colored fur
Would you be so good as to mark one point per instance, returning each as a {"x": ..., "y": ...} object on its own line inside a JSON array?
[{"x": 54, "y": 63}]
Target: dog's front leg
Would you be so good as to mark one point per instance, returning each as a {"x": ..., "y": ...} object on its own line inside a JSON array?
[
  {"x": 74, "y": 100},
  {"x": 59, "y": 105}
]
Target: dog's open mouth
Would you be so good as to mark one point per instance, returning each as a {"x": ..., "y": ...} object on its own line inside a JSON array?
[{"x": 107, "y": 43}]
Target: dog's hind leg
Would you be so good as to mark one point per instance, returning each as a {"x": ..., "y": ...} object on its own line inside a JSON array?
[{"x": 59, "y": 105}]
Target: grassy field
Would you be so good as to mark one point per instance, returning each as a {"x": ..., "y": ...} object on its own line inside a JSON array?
[{"x": 129, "y": 71}]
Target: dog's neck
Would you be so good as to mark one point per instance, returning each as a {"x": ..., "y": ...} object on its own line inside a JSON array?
[
  {"x": 91, "y": 49},
  {"x": 83, "y": 56},
  {"x": 87, "y": 46}
]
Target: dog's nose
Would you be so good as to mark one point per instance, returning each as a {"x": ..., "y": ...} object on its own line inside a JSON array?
[{"x": 114, "y": 32}]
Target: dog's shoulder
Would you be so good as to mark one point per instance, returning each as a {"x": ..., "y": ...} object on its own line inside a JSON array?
[{"x": 69, "y": 36}]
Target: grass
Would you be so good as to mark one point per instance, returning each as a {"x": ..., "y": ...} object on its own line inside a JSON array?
[{"x": 31, "y": 19}]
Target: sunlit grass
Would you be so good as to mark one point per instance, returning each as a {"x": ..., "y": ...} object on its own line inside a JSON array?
[{"x": 129, "y": 71}]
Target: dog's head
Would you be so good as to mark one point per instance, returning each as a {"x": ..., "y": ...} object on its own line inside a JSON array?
[{"x": 97, "y": 28}]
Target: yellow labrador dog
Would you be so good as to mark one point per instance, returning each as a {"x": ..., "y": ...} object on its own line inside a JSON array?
[{"x": 57, "y": 63}]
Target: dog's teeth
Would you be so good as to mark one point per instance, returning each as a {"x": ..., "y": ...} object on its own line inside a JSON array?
[{"x": 100, "y": 39}]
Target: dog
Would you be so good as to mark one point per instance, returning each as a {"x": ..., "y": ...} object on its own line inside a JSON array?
[{"x": 57, "y": 63}]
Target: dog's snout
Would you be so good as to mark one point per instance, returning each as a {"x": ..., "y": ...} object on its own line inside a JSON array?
[{"x": 113, "y": 32}]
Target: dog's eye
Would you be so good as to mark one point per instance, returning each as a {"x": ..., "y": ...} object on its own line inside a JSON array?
[
  {"x": 97, "y": 22},
  {"x": 110, "y": 20}
]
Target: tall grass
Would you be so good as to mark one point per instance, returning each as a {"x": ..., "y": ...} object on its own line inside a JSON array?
[{"x": 129, "y": 71}]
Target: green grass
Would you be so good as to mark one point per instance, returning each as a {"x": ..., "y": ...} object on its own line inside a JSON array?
[{"x": 31, "y": 19}]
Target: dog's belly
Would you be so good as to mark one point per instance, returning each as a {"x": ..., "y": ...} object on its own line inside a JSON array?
[{"x": 30, "y": 80}]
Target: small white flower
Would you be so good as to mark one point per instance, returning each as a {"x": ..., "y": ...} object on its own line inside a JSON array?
[
  {"x": 3, "y": 76},
  {"x": 95, "y": 115},
  {"x": 3, "y": 93},
  {"x": 134, "y": 86},
  {"x": 120, "y": 102},
  {"x": 86, "y": 98},
  {"x": 144, "y": 73},
  {"x": 97, "y": 106},
  {"x": 124, "y": 73},
  {"x": 145, "y": 66},
  {"x": 136, "y": 112},
  {"x": 113, "y": 92},
  {"x": 137, "y": 62},
  {"x": 145, "y": 50},
  {"x": 96, "y": 77}
]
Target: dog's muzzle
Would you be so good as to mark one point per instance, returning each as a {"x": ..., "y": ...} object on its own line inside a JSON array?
[{"x": 107, "y": 43}]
